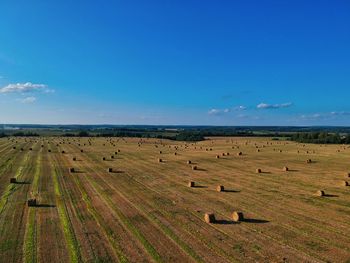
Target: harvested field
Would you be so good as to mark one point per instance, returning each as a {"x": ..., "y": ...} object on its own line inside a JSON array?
[{"x": 130, "y": 208}]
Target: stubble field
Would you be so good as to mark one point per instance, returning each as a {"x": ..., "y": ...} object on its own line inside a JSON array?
[{"x": 144, "y": 211}]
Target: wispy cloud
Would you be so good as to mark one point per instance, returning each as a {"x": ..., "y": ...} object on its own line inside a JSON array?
[
  {"x": 240, "y": 108},
  {"x": 314, "y": 116},
  {"x": 325, "y": 115},
  {"x": 27, "y": 100},
  {"x": 274, "y": 106},
  {"x": 25, "y": 88},
  {"x": 218, "y": 111},
  {"x": 340, "y": 113}
]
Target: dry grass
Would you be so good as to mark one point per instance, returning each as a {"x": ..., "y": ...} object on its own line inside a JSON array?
[{"x": 150, "y": 213}]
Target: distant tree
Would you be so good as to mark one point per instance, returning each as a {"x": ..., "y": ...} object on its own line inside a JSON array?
[{"x": 83, "y": 134}]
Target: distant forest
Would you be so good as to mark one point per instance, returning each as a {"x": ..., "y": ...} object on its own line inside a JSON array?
[
  {"x": 324, "y": 135},
  {"x": 321, "y": 137}
]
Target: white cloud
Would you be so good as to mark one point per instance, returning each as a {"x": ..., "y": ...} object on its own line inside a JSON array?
[
  {"x": 24, "y": 88},
  {"x": 218, "y": 111},
  {"x": 325, "y": 115},
  {"x": 27, "y": 100},
  {"x": 215, "y": 111},
  {"x": 314, "y": 116},
  {"x": 240, "y": 108},
  {"x": 274, "y": 106},
  {"x": 340, "y": 113}
]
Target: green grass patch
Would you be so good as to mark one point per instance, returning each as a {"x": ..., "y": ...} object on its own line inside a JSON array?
[
  {"x": 29, "y": 250},
  {"x": 98, "y": 218},
  {"x": 71, "y": 241},
  {"x": 10, "y": 189},
  {"x": 146, "y": 244},
  {"x": 30, "y": 237}
]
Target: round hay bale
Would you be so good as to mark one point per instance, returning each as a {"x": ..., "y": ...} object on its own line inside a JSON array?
[
  {"x": 81, "y": 150},
  {"x": 209, "y": 218},
  {"x": 220, "y": 188},
  {"x": 223, "y": 154},
  {"x": 103, "y": 158},
  {"x": 71, "y": 170},
  {"x": 257, "y": 150},
  {"x": 194, "y": 167},
  {"x": 189, "y": 162},
  {"x": 285, "y": 168},
  {"x": 175, "y": 153},
  {"x": 308, "y": 161},
  {"x": 112, "y": 156},
  {"x": 160, "y": 152},
  {"x": 345, "y": 183},
  {"x": 30, "y": 149},
  {"x": 49, "y": 150},
  {"x": 347, "y": 175},
  {"x": 14, "y": 147},
  {"x": 217, "y": 157},
  {"x": 31, "y": 202},
  {"x": 237, "y": 216},
  {"x": 227, "y": 154},
  {"x": 110, "y": 170},
  {"x": 63, "y": 152},
  {"x": 320, "y": 193},
  {"x": 239, "y": 153},
  {"x": 191, "y": 184},
  {"x": 13, "y": 180},
  {"x": 160, "y": 160},
  {"x": 258, "y": 170},
  {"x": 74, "y": 158}
]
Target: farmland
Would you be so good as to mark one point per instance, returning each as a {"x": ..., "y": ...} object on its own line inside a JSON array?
[{"x": 120, "y": 203}]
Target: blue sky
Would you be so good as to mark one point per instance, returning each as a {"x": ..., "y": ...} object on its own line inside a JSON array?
[{"x": 175, "y": 62}]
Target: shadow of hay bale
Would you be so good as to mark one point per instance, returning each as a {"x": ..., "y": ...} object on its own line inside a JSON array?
[
  {"x": 45, "y": 205},
  {"x": 231, "y": 191},
  {"x": 255, "y": 221},
  {"x": 225, "y": 222}
]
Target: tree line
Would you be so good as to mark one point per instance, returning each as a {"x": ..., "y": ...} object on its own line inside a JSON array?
[{"x": 321, "y": 138}]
